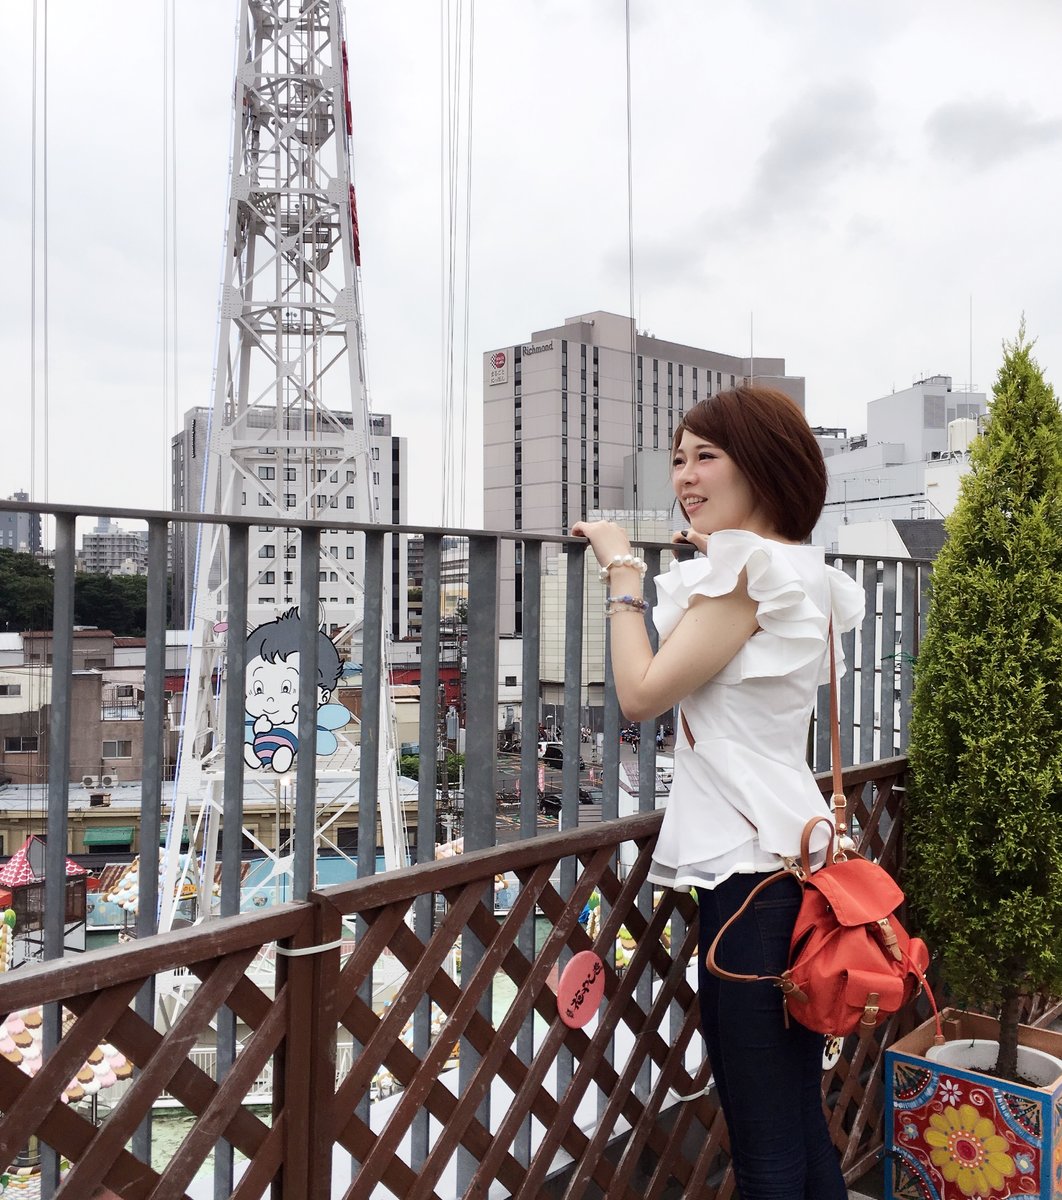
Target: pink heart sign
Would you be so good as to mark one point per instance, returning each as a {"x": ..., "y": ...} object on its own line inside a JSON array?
[{"x": 581, "y": 989}]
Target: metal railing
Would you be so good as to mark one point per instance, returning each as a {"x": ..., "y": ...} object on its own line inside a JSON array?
[{"x": 874, "y": 690}]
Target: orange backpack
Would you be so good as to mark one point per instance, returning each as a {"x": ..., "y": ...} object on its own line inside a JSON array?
[{"x": 851, "y": 962}]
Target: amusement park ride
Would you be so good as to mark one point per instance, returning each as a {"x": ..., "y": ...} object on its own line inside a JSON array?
[{"x": 289, "y": 434}]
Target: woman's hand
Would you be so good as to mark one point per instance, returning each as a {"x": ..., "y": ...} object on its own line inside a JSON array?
[
  {"x": 606, "y": 538},
  {"x": 690, "y": 537}
]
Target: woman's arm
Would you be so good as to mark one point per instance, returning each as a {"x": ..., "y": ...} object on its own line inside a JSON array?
[{"x": 706, "y": 638}]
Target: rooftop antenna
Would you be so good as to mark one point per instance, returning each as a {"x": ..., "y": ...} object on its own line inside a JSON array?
[
  {"x": 752, "y": 354},
  {"x": 969, "y": 376}
]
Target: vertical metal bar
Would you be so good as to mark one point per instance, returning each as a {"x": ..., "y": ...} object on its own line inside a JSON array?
[
  {"x": 868, "y": 661},
  {"x": 481, "y": 773},
  {"x": 306, "y": 761},
  {"x": 643, "y": 992},
  {"x": 532, "y": 601},
  {"x": 371, "y": 685},
  {"x": 423, "y": 915},
  {"x": 369, "y": 780},
  {"x": 235, "y": 712},
  {"x": 151, "y": 775},
  {"x": 846, "y": 699},
  {"x": 232, "y": 816},
  {"x": 481, "y": 708},
  {"x": 908, "y": 644},
  {"x": 573, "y": 680},
  {"x": 887, "y": 704},
  {"x": 575, "y": 573},
  {"x": 58, "y": 796},
  {"x": 532, "y": 637}
]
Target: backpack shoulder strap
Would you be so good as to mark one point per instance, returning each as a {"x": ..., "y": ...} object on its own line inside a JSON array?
[{"x": 711, "y": 962}]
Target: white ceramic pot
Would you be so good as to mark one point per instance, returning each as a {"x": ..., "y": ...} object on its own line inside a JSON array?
[{"x": 980, "y": 1054}]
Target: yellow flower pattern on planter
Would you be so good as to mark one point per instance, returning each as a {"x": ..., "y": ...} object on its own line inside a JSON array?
[{"x": 968, "y": 1151}]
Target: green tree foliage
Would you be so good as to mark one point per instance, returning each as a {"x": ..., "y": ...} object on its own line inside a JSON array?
[
  {"x": 409, "y": 765},
  {"x": 114, "y": 602},
  {"x": 984, "y": 813},
  {"x": 25, "y": 592}
]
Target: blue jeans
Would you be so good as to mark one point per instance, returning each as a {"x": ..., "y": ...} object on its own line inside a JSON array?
[{"x": 768, "y": 1077}]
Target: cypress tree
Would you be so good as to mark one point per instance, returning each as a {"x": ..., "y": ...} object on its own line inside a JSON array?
[{"x": 984, "y": 812}]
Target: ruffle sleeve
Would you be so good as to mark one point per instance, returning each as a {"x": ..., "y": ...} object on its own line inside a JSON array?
[{"x": 792, "y": 605}]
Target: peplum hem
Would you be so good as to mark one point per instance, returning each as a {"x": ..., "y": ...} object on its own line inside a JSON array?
[{"x": 792, "y": 623}]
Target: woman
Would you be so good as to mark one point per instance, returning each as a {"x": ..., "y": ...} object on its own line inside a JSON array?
[{"x": 743, "y": 639}]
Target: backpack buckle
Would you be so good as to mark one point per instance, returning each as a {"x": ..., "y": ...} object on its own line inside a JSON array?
[{"x": 870, "y": 1010}]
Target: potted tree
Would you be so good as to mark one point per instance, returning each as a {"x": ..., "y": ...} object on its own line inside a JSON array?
[{"x": 984, "y": 811}]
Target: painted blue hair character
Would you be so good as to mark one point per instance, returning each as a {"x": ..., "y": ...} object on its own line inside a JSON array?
[{"x": 272, "y": 694}]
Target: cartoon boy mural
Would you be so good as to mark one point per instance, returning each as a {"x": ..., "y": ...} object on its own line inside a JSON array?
[{"x": 271, "y": 726}]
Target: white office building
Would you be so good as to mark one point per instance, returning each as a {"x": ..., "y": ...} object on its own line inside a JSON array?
[
  {"x": 907, "y": 467},
  {"x": 290, "y": 477}
]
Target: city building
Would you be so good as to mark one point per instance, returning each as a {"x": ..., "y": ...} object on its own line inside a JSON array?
[
  {"x": 288, "y": 479},
  {"x": 110, "y": 550},
  {"x": 564, "y": 410},
  {"x": 906, "y": 467},
  {"x": 20, "y": 531}
]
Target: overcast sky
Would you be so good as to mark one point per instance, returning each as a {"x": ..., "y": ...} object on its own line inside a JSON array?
[{"x": 850, "y": 174}]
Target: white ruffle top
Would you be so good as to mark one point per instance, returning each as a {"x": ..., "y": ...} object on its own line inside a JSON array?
[{"x": 741, "y": 796}]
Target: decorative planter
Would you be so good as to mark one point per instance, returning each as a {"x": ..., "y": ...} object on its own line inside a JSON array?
[{"x": 957, "y": 1134}]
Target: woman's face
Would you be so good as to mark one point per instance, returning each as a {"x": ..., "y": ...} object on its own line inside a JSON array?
[{"x": 711, "y": 489}]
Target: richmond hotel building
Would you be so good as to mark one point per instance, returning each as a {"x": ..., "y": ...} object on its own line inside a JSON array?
[{"x": 568, "y": 412}]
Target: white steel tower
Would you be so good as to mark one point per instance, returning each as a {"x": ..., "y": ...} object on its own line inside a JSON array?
[{"x": 289, "y": 434}]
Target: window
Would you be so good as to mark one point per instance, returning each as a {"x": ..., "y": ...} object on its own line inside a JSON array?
[
  {"x": 124, "y": 690},
  {"x": 333, "y": 577},
  {"x": 266, "y": 528},
  {"x": 320, "y": 501},
  {"x": 376, "y": 454},
  {"x": 269, "y": 576},
  {"x": 334, "y": 477},
  {"x": 289, "y": 499},
  {"x": 510, "y": 681},
  {"x": 263, "y": 501},
  {"x": 267, "y": 552},
  {"x": 350, "y": 477},
  {"x": 376, "y": 478},
  {"x": 20, "y": 745},
  {"x": 350, "y": 502},
  {"x": 117, "y": 749},
  {"x": 289, "y": 474},
  {"x": 267, "y": 599},
  {"x": 333, "y": 502},
  {"x": 267, "y": 472},
  {"x": 289, "y": 576},
  {"x": 350, "y": 552},
  {"x": 92, "y": 664},
  {"x": 289, "y": 551},
  {"x": 10, "y": 689}
]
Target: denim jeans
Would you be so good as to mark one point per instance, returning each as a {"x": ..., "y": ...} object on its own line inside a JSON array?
[{"x": 768, "y": 1076}]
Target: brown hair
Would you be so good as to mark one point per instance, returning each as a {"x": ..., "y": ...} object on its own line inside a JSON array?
[{"x": 771, "y": 443}]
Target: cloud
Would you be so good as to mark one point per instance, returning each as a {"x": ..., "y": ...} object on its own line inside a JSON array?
[
  {"x": 982, "y": 133},
  {"x": 826, "y": 132}
]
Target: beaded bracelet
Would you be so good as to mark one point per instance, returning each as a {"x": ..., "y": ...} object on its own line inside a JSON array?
[
  {"x": 631, "y": 603},
  {"x": 622, "y": 560}
]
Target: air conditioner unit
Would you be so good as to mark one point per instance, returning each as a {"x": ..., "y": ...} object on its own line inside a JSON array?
[
  {"x": 108, "y": 781},
  {"x": 88, "y": 781}
]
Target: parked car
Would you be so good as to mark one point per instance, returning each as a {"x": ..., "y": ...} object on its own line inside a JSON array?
[{"x": 552, "y": 754}]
